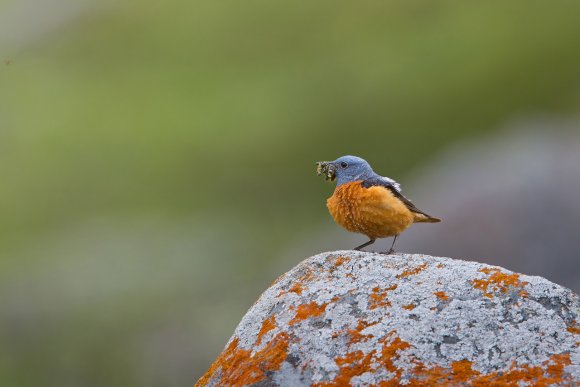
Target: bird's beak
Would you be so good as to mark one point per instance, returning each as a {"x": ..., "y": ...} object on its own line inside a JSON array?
[{"x": 326, "y": 168}]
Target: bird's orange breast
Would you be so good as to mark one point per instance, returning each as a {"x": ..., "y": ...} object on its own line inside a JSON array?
[{"x": 372, "y": 211}]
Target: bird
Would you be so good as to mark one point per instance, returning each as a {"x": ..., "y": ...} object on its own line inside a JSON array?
[{"x": 367, "y": 203}]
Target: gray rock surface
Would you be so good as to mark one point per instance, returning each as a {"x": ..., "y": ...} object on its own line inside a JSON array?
[{"x": 360, "y": 318}]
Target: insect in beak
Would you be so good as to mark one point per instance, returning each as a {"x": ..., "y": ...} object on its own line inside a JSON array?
[{"x": 327, "y": 169}]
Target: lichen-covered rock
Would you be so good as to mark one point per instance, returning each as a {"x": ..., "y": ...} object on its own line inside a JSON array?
[{"x": 361, "y": 318}]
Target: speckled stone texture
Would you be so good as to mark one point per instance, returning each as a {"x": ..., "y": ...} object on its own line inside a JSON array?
[{"x": 357, "y": 318}]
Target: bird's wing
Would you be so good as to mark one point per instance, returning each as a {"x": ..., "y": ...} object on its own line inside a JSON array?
[
  {"x": 383, "y": 181},
  {"x": 395, "y": 189}
]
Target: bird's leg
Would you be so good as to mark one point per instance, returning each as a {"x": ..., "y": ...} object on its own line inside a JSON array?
[
  {"x": 392, "y": 249},
  {"x": 370, "y": 242}
]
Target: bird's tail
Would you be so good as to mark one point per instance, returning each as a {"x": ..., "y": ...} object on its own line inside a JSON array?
[{"x": 424, "y": 218}]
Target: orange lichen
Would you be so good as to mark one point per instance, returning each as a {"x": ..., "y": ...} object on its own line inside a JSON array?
[
  {"x": 574, "y": 328},
  {"x": 440, "y": 266},
  {"x": 305, "y": 278},
  {"x": 267, "y": 326},
  {"x": 340, "y": 260},
  {"x": 240, "y": 367},
  {"x": 462, "y": 370},
  {"x": 409, "y": 307},
  {"x": 442, "y": 295},
  {"x": 351, "y": 365},
  {"x": 499, "y": 281},
  {"x": 379, "y": 297},
  {"x": 389, "y": 352},
  {"x": 306, "y": 311},
  {"x": 414, "y": 271},
  {"x": 296, "y": 288},
  {"x": 356, "y": 335},
  {"x": 299, "y": 283},
  {"x": 550, "y": 372},
  {"x": 357, "y": 362}
]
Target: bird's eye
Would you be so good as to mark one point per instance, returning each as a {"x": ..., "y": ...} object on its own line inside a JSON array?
[{"x": 343, "y": 165}]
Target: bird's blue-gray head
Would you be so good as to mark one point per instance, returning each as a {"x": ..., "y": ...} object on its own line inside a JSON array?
[{"x": 346, "y": 169}]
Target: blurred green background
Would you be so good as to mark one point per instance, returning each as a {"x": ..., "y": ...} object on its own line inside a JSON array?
[{"x": 157, "y": 158}]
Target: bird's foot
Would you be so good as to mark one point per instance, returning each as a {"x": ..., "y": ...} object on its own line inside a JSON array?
[{"x": 391, "y": 251}]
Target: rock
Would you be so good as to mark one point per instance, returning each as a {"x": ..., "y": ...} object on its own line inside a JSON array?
[{"x": 360, "y": 318}]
